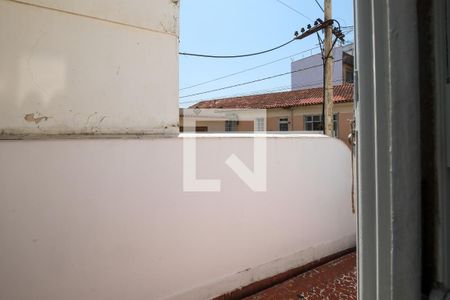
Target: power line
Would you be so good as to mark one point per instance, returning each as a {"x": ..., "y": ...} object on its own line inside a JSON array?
[
  {"x": 247, "y": 70},
  {"x": 284, "y": 88},
  {"x": 240, "y": 84},
  {"x": 320, "y": 5},
  {"x": 253, "y": 81},
  {"x": 237, "y": 56},
  {"x": 293, "y": 9},
  {"x": 280, "y": 88}
]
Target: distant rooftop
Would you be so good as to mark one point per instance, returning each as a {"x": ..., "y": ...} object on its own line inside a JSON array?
[{"x": 342, "y": 93}]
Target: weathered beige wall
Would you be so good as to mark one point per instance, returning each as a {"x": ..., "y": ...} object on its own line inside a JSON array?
[
  {"x": 273, "y": 116},
  {"x": 219, "y": 126},
  {"x": 88, "y": 67},
  {"x": 272, "y": 124},
  {"x": 295, "y": 118},
  {"x": 247, "y": 126},
  {"x": 213, "y": 126},
  {"x": 299, "y": 123}
]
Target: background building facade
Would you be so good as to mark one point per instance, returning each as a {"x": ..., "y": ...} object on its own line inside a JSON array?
[
  {"x": 308, "y": 72},
  {"x": 294, "y": 111}
]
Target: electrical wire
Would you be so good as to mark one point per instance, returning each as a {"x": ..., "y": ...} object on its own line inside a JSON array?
[
  {"x": 249, "y": 54},
  {"x": 236, "y": 56},
  {"x": 339, "y": 24},
  {"x": 293, "y": 9},
  {"x": 246, "y": 70},
  {"x": 236, "y": 85},
  {"x": 253, "y": 81},
  {"x": 320, "y": 5},
  {"x": 284, "y": 88}
]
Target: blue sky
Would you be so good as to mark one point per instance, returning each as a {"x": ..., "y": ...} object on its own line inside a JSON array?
[{"x": 244, "y": 26}]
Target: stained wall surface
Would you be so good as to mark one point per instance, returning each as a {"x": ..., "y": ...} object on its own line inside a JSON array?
[{"x": 88, "y": 67}]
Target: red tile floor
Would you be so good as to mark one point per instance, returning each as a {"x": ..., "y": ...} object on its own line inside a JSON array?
[{"x": 334, "y": 280}]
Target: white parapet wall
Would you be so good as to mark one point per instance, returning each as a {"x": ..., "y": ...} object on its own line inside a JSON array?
[
  {"x": 97, "y": 67},
  {"x": 109, "y": 219}
]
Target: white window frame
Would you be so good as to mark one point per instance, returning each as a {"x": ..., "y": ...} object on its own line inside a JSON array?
[
  {"x": 231, "y": 125},
  {"x": 307, "y": 122},
  {"x": 260, "y": 124},
  {"x": 388, "y": 156}
]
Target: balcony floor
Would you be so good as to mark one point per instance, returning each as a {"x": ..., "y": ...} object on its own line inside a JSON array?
[{"x": 334, "y": 280}]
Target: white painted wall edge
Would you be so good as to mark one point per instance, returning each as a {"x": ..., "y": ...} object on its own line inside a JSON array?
[
  {"x": 167, "y": 134},
  {"x": 278, "y": 134},
  {"x": 248, "y": 276}
]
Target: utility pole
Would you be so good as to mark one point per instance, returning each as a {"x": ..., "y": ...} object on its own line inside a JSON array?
[{"x": 328, "y": 71}]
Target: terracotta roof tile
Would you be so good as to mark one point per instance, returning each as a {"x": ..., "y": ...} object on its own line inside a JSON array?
[{"x": 342, "y": 93}]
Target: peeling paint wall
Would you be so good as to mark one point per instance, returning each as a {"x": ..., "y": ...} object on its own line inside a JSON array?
[{"x": 102, "y": 67}]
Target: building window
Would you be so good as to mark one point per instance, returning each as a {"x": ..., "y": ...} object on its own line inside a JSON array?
[
  {"x": 259, "y": 124},
  {"x": 336, "y": 124},
  {"x": 349, "y": 76},
  {"x": 314, "y": 123},
  {"x": 230, "y": 125},
  {"x": 284, "y": 124}
]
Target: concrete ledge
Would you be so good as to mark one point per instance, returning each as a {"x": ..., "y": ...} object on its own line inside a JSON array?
[
  {"x": 253, "y": 280},
  {"x": 265, "y": 284}
]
